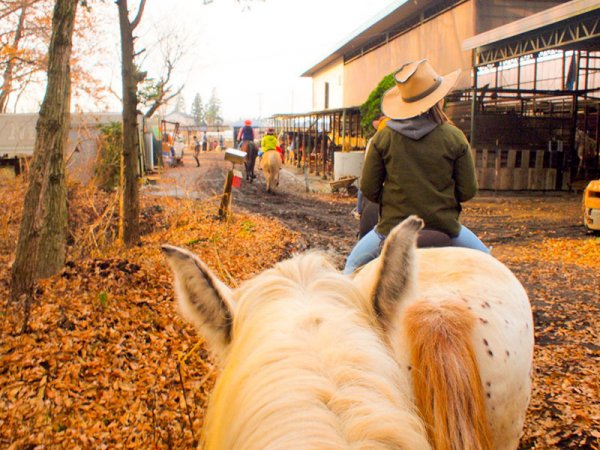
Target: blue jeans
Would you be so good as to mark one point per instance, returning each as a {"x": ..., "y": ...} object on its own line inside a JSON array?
[
  {"x": 369, "y": 247},
  {"x": 359, "y": 201},
  {"x": 466, "y": 238}
]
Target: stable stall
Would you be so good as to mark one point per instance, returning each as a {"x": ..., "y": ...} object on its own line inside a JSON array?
[
  {"x": 323, "y": 141},
  {"x": 532, "y": 115}
]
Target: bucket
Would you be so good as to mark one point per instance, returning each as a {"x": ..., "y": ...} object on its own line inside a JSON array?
[{"x": 348, "y": 164}]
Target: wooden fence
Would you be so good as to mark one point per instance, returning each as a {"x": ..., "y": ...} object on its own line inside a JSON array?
[{"x": 516, "y": 170}]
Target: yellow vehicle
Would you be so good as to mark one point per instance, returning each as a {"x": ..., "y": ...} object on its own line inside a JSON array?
[{"x": 591, "y": 206}]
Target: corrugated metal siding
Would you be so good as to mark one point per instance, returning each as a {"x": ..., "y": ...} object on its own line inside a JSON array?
[{"x": 495, "y": 13}]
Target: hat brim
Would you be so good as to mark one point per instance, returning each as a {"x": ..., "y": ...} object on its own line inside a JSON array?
[{"x": 394, "y": 107}]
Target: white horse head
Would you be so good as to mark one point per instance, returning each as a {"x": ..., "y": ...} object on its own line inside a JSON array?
[{"x": 315, "y": 359}]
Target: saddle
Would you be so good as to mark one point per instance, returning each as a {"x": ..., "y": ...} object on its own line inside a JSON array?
[
  {"x": 433, "y": 238},
  {"x": 427, "y": 237}
]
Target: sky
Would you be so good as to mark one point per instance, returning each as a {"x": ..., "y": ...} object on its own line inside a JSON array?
[{"x": 251, "y": 53}]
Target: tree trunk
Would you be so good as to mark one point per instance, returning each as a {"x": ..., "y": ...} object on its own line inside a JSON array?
[
  {"x": 8, "y": 71},
  {"x": 129, "y": 204},
  {"x": 41, "y": 247}
]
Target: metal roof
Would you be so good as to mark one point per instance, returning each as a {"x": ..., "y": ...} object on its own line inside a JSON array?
[
  {"x": 376, "y": 26},
  {"x": 530, "y": 23},
  {"x": 324, "y": 112}
]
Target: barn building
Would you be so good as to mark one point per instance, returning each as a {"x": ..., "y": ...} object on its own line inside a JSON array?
[{"x": 527, "y": 97}]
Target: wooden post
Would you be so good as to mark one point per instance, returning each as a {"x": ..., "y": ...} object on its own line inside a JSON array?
[
  {"x": 343, "y": 129},
  {"x": 324, "y": 149},
  {"x": 304, "y": 131},
  {"x": 226, "y": 199},
  {"x": 497, "y": 167}
]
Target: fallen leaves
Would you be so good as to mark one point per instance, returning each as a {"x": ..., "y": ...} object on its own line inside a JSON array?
[
  {"x": 109, "y": 363},
  {"x": 101, "y": 367},
  {"x": 543, "y": 242}
]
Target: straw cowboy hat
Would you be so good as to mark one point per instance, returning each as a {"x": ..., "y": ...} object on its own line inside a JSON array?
[{"x": 418, "y": 88}]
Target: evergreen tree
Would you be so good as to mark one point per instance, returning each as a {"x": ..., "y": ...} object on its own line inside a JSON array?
[
  {"x": 213, "y": 109},
  {"x": 198, "y": 110}
]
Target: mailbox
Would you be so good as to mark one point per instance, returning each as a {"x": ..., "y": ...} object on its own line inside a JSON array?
[{"x": 235, "y": 156}]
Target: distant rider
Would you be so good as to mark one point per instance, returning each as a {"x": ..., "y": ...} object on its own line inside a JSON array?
[
  {"x": 246, "y": 138},
  {"x": 270, "y": 142}
]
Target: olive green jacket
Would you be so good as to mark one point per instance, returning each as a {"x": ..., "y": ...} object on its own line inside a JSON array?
[{"x": 429, "y": 177}]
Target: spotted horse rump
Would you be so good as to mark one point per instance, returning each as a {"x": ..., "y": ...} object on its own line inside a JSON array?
[{"x": 459, "y": 297}]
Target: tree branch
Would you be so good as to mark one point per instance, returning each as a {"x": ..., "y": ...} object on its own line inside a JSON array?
[
  {"x": 162, "y": 100},
  {"x": 138, "y": 17},
  {"x": 138, "y": 53}
]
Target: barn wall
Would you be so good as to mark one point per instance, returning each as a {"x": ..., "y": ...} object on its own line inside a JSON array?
[
  {"x": 439, "y": 40},
  {"x": 334, "y": 75}
]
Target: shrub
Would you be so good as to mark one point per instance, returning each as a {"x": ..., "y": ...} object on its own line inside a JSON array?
[
  {"x": 108, "y": 164},
  {"x": 371, "y": 109}
]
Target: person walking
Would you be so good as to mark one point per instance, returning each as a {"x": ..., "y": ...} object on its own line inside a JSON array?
[
  {"x": 419, "y": 163},
  {"x": 204, "y": 142},
  {"x": 197, "y": 151}
]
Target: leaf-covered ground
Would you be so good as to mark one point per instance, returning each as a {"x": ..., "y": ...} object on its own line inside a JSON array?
[
  {"x": 541, "y": 239},
  {"x": 109, "y": 364}
]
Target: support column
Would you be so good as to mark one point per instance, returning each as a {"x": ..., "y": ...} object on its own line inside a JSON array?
[{"x": 474, "y": 99}]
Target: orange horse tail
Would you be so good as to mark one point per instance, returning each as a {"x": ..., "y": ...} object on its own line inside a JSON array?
[{"x": 445, "y": 377}]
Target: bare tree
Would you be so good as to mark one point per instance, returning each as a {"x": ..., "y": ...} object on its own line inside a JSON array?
[
  {"x": 8, "y": 70},
  {"x": 41, "y": 246},
  {"x": 156, "y": 92},
  {"x": 129, "y": 206},
  {"x": 17, "y": 62},
  {"x": 25, "y": 31}
]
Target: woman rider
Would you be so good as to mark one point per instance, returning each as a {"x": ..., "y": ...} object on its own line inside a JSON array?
[{"x": 418, "y": 164}]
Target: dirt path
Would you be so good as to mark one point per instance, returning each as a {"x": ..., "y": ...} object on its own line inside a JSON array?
[{"x": 323, "y": 220}]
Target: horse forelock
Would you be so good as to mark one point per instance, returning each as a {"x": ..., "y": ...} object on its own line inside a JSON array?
[
  {"x": 301, "y": 279},
  {"x": 307, "y": 360}
]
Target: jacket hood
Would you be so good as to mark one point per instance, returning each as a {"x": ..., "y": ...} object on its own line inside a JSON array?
[{"x": 414, "y": 128}]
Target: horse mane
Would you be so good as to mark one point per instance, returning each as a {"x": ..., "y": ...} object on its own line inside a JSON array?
[{"x": 308, "y": 366}]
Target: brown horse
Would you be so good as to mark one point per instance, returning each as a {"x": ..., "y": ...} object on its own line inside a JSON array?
[{"x": 251, "y": 153}]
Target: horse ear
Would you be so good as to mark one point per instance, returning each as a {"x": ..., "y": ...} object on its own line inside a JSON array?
[
  {"x": 397, "y": 272},
  {"x": 203, "y": 299}
]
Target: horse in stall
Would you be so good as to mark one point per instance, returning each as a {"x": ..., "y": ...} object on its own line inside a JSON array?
[
  {"x": 251, "y": 150},
  {"x": 284, "y": 141},
  {"x": 421, "y": 349},
  {"x": 271, "y": 163},
  {"x": 586, "y": 152}
]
